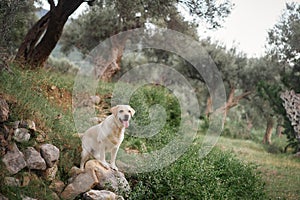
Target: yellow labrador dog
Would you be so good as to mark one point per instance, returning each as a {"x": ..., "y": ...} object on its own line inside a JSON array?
[{"x": 106, "y": 137}]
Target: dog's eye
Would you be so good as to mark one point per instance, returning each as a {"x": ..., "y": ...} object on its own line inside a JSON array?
[
  {"x": 121, "y": 111},
  {"x": 129, "y": 111}
]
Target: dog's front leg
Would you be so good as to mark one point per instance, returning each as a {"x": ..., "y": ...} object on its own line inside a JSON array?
[
  {"x": 101, "y": 158},
  {"x": 113, "y": 158}
]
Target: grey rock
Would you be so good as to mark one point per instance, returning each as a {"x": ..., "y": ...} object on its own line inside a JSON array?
[
  {"x": 11, "y": 181},
  {"x": 14, "y": 160},
  {"x": 101, "y": 195},
  {"x": 108, "y": 179},
  {"x": 50, "y": 153},
  {"x": 21, "y": 135},
  {"x": 50, "y": 173},
  {"x": 3, "y": 197},
  {"x": 95, "y": 176},
  {"x": 57, "y": 186},
  {"x": 95, "y": 99},
  {"x": 82, "y": 183},
  {"x": 34, "y": 159},
  {"x": 27, "y": 198},
  {"x": 28, "y": 124}
]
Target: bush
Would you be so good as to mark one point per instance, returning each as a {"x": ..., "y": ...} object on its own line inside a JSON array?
[
  {"x": 62, "y": 65},
  {"x": 218, "y": 176},
  {"x": 143, "y": 100}
]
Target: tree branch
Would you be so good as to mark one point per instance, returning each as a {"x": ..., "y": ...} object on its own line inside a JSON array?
[{"x": 52, "y": 5}]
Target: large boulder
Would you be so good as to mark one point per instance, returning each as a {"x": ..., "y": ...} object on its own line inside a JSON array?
[
  {"x": 97, "y": 177},
  {"x": 14, "y": 160},
  {"x": 50, "y": 153},
  {"x": 108, "y": 179},
  {"x": 81, "y": 183}
]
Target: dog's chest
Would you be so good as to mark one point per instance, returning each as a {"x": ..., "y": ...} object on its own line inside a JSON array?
[{"x": 116, "y": 136}]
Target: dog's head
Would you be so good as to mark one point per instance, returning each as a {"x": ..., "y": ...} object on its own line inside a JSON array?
[{"x": 123, "y": 114}]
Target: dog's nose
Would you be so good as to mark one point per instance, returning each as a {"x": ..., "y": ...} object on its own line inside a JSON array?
[{"x": 126, "y": 117}]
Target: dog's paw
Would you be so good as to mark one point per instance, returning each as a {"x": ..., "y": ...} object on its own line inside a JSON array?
[{"x": 114, "y": 167}]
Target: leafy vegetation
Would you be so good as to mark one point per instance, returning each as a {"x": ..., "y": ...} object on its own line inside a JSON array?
[
  {"x": 228, "y": 172},
  {"x": 217, "y": 176}
]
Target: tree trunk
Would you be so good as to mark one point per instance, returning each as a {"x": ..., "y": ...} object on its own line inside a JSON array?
[
  {"x": 108, "y": 65},
  {"x": 268, "y": 133},
  {"x": 279, "y": 130},
  {"x": 232, "y": 101},
  {"x": 209, "y": 108},
  {"x": 34, "y": 50}
]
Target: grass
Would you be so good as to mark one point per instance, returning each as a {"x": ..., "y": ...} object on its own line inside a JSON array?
[
  {"x": 220, "y": 175},
  {"x": 281, "y": 172}
]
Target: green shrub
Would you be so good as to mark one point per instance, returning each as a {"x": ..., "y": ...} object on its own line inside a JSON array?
[
  {"x": 218, "y": 176},
  {"x": 142, "y": 101},
  {"x": 62, "y": 65}
]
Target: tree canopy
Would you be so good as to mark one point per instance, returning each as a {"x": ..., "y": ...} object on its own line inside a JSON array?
[
  {"x": 42, "y": 38},
  {"x": 14, "y": 24}
]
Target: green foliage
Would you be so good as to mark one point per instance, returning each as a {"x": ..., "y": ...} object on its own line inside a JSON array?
[
  {"x": 30, "y": 90},
  {"x": 142, "y": 100},
  {"x": 14, "y": 23},
  {"x": 62, "y": 65},
  {"x": 271, "y": 93},
  {"x": 284, "y": 37},
  {"x": 108, "y": 18},
  {"x": 284, "y": 50},
  {"x": 218, "y": 176},
  {"x": 284, "y": 47}
]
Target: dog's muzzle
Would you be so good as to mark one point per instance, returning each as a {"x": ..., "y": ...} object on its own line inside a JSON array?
[{"x": 125, "y": 121}]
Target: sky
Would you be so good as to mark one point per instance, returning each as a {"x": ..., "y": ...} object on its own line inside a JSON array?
[{"x": 247, "y": 26}]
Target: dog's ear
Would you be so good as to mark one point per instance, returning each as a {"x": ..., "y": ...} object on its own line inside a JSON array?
[
  {"x": 132, "y": 111},
  {"x": 114, "y": 110}
]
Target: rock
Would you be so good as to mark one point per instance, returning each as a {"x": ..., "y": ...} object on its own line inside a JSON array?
[
  {"x": 41, "y": 136},
  {"x": 5, "y": 138},
  {"x": 28, "y": 124},
  {"x": 297, "y": 155},
  {"x": 107, "y": 178},
  {"x": 26, "y": 198},
  {"x": 101, "y": 195},
  {"x": 95, "y": 99},
  {"x": 21, "y": 135},
  {"x": 14, "y": 160},
  {"x": 50, "y": 153},
  {"x": 11, "y": 181},
  {"x": 4, "y": 110},
  {"x": 82, "y": 183},
  {"x": 57, "y": 186},
  {"x": 53, "y": 87},
  {"x": 34, "y": 159},
  {"x": 3, "y": 197},
  {"x": 27, "y": 177},
  {"x": 26, "y": 180},
  {"x": 95, "y": 175},
  {"x": 50, "y": 173},
  {"x": 40, "y": 139}
]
